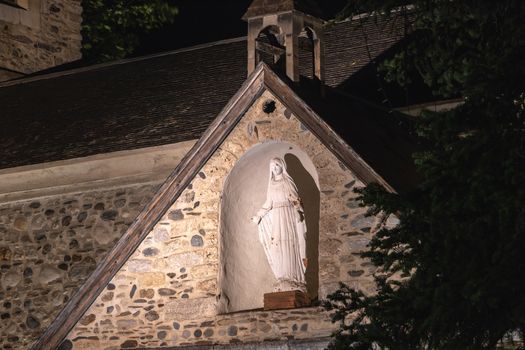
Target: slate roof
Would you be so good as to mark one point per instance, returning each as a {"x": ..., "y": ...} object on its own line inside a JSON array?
[
  {"x": 383, "y": 138},
  {"x": 159, "y": 99}
]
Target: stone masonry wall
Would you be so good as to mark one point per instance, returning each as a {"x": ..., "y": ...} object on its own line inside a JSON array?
[
  {"x": 49, "y": 246},
  {"x": 167, "y": 292},
  {"x": 45, "y": 35}
]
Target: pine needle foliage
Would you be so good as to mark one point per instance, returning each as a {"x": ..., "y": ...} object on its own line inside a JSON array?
[
  {"x": 451, "y": 274},
  {"x": 111, "y": 28}
]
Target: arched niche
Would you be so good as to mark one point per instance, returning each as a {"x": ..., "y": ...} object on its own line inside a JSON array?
[{"x": 245, "y": 275}]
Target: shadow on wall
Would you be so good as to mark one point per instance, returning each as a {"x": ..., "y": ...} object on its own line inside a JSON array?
[
  {"x": 309, "y": 193},
  {"x": 245, "y": 275}
]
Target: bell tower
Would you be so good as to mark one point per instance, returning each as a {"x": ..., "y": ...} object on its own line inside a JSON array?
[{"x": 286, "y": 34}]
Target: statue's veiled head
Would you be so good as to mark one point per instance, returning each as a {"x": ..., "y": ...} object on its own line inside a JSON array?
[{"x": 277, "y": 166}]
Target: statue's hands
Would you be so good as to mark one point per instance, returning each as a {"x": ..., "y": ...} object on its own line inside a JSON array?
[
  {"x": 305, "y": 262},
  {"x": 296, "y": 202},
  {"x": 260, "y": 213}
]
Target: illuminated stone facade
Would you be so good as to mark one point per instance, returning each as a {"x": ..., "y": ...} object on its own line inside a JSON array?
[
  {"x": 49, "y": 246},
  {"x": 168, "y": 291},
  {"x": 44, "y": 35}
]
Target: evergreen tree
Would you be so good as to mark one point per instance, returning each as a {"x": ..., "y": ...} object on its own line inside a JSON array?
[
  {"x": 111, "y": 28},
  {"x": 451, "y": 273}
]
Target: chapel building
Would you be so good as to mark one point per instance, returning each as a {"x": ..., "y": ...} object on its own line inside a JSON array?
[{"x": 201, "y": 198}]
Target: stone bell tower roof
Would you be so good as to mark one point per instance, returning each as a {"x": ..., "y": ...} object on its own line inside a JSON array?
[{"x": 260, "y": 8}]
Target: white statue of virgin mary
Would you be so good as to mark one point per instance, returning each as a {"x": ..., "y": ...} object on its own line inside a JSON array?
[{"x": 282, "y": 229}]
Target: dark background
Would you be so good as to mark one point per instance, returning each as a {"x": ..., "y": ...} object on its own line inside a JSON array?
[{"x": 202, "y": 21}]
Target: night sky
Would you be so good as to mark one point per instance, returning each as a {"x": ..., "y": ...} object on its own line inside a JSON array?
[{"x": 202, "y": 21}]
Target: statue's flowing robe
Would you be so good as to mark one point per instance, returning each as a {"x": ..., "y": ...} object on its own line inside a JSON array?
[{"x": 282, "y": 233}]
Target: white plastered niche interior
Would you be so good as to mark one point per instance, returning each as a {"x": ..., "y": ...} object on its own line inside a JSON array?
[{"x": 245, "y": 275}]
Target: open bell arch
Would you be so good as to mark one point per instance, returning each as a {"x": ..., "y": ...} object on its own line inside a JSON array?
[
  {"x": 310, "y": 54},
  {"x": 292, "y": 18},
  {"x": 270, "y": 47}
]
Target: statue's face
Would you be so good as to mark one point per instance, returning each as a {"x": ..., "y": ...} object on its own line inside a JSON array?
[{"x": 276, "y": 168}]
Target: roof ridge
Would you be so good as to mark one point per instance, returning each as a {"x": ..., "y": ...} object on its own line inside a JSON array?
[
  {"x": 98, "y": 66},
  {"x": 362, "y": 15}
]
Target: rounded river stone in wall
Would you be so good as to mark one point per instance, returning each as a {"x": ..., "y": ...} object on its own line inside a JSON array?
[
  {"x": 150, "y": 251},
  {"x": 101, "y": 234},
  {"x": 109, "y": 215},
  {"x": 362, "y": 221},
  {"x": 161, "y": 234},
  {"x": 232, "y": 331},
  {"x": 88, "y": 319},
  {"x": 176, "y": 215},
  {"x": 99, "y": 206},
  {"x": 32, "y": 322},
  {"x": 82, "y": 216},
  {"x": 28, "y": 272},
  {"x": 147, "y": 293},
  {"x": 119, "y": 203},
  {"x": 49, "y": 274},
  {"x": 38, "y": 222},
  {"x": 11, "y": 279},
  {"x": 66, "y": 220},
  {"x": 197, "y": 241},
  {"x": 152, "y": 316},
  {"x": 20, "y": 224},
  {"x": 126, "y": 324},
  {"x": 166, "y": 292},
  {"x": 129, "y": 344}
]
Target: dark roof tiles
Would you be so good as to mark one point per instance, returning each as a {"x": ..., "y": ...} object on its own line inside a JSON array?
[
  {"x": 151, "y": 101},
  {"x": 160, "y": 100}
]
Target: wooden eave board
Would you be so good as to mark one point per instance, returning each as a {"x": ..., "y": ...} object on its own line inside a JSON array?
[{"x": 261, "y": 79}]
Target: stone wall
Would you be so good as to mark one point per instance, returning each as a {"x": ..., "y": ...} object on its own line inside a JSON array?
[
  {"x": 47, "y": 34},
  {"x": 49, "y": 246},
  {"x": 167, "y": 292}
]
